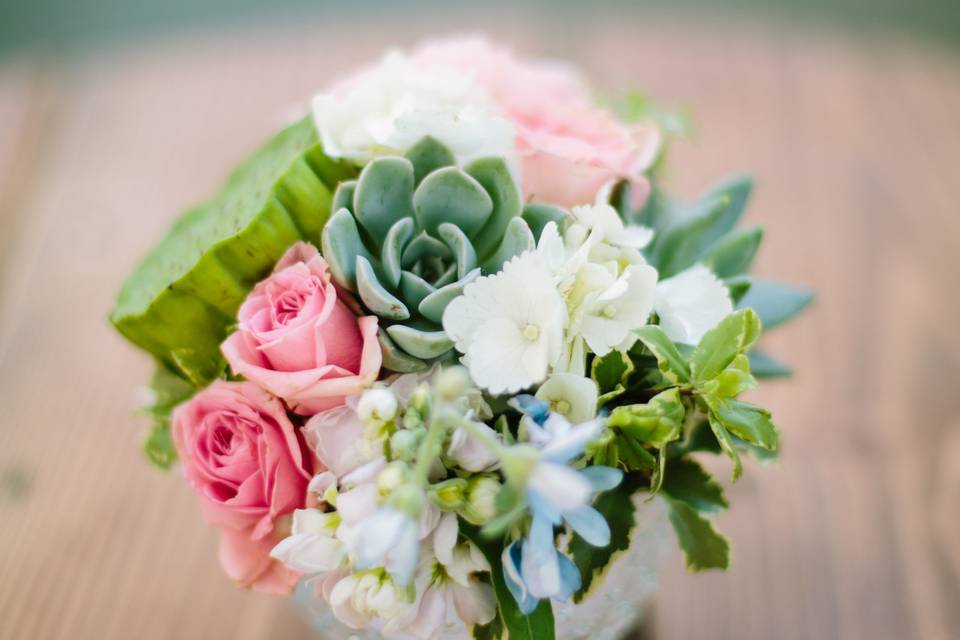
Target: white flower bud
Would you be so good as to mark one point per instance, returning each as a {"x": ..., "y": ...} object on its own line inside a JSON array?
[
  {"x": 377, "y": 405},
  {"x": 452, "y": 383},
  {"x": 481, "y": 503},
  {"x": 403, "y": 445}
]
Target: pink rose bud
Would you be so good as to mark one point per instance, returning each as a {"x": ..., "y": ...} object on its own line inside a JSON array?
[
  {"x": 299, "y": 341},
  {"x": 569, "y": 146},
  {"x": 243, "y": 456}
]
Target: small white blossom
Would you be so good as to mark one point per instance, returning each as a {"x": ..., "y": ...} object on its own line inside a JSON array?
[
  {"x": 312, "y": 546},
  {"x": 691, "y": 303}
]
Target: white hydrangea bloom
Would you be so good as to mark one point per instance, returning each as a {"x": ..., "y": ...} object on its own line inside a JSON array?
[
  {"x": 691, "y": 303},
  {"x": 509, "y": 326},
  {"x": 390, "y": 106}
]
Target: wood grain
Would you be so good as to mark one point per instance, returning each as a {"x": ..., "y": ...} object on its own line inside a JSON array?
[{"x": 855, "y": 146}]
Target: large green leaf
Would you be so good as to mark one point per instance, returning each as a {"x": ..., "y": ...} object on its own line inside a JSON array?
[
  {"x": 774, "y": 302},
  {"x": 703, "y": 547},
  {"x": 618, "y": 509},
  {"x": 690, "y": 483},
  {"x": 180, "y": 301},
  {"x": 510, "y": 622},
  {"x": 732, "y": 336}
]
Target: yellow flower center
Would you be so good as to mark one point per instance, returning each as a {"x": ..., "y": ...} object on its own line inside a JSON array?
[
  {"x": 531, "y": 332},
  {"x": 609, "y": 311},
  {"x": 562, "y": 407}
]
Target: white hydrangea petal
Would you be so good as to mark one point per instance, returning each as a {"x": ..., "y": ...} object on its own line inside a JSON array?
[
  {"x": 388, "y": 107},
  {"x": 691, "y": 303},
  {"x": 579, "y": 392},
  {"x": 492, "y": 357}
]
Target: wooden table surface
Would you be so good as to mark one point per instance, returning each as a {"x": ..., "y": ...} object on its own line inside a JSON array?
[{"x": 855, "y": 146}]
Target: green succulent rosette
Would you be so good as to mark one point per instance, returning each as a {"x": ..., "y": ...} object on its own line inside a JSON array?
[{"x": 411, "y": 232}]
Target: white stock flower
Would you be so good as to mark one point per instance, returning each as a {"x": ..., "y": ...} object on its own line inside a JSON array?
[
  {"x": 448, "y": 592},
  {"x": 390, "y": 106},
  {"x": 468, "y": 452},
  {"x": 691, "y": 303},
  {"x": 357, "y": 599},
  {"x": 510, "y": 325},
  {"x": 313, "y": 546}
]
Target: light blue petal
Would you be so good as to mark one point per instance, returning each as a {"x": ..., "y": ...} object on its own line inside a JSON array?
[
  {"x": 603, "y": 478},
  {"x": 511, "y": 576},
  {"x": 570, "y": 580},
  {"x": 538, "y": 560},
  {"x": 564, "y": 448},
  {"x": 540, "y": 507},
  {"x": 589, "y": 524},
  {"x": 537, "y": 409}
]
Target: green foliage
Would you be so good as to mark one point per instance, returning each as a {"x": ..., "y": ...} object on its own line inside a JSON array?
[
  {"x": 734, "y": 335},
  {"x": 180, "y": 301},
  {"x": 750, "y": 423},
  {"x": 168, "y": 391},
  {"x": 611, "y": 373},
  {"x": 412, "y": 232},
  {"x": 775, "y": 303},
  {"x": 510, "y": 621},
  {"x": 656, "y": 423},
  {"x": 690, "y": 483},
  {"x": 618, "y": 509},
  {"x": 703, "y": 547},
  {"x": 669, "y": 360}
]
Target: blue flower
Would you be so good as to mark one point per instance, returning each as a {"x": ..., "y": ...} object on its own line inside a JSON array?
[{"x": 556, "y": 494}]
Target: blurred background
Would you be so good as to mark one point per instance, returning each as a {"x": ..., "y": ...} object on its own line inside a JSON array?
[{"x": 115, "y": 116}]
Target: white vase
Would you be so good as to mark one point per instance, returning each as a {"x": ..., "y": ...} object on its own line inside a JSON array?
[{"x": 614, "y": 607}]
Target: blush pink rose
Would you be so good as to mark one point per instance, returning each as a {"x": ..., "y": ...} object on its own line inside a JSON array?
[
  {"x": 299, "y": 341},
  {"x": 243, "y": 456},
  {"x": 569, "y": 146}
]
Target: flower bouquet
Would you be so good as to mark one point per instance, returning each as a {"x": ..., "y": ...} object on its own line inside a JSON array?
[{"x": 433, "y": 347}]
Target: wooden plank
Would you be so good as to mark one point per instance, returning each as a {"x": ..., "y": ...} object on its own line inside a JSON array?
[{"x": 852, "y": 535}]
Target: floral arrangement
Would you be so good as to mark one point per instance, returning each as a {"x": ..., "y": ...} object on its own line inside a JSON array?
[{"x": 430, "y": 343}]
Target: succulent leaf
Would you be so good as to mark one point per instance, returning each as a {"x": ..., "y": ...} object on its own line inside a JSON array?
[
  {"x": 427, "y": 156},
  {"x": 419, "y": 343},
  {"x": 384, "y": 195},
  {"x": 516, "y": 239},
  {"x": 496, "y": 178},
  {"x": 450, "y": 195}
]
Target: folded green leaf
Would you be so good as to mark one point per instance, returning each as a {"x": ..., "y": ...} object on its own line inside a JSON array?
[
  {"x": 732, "y": 381},
  {"x": 180, "y": 301},
  {"x": 690, "y": 483},
  {"x": 774, "y": 302},
  {"x": 618, "y": 508},
  {"x": 734, "y": 335},
  {"x": 703, "y": 547},
  {"x": 738, "y": 286},
  {"x": 656, "y": 423},
  {"x": 670, "y": 362},
  {"x": 510, "y": 621}
]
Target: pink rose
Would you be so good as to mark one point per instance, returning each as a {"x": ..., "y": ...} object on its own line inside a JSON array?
[
  {"x": 569, "y": 146},
  {"x": 299, "y": 341},
  {"x": 242, "y": 455}
]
